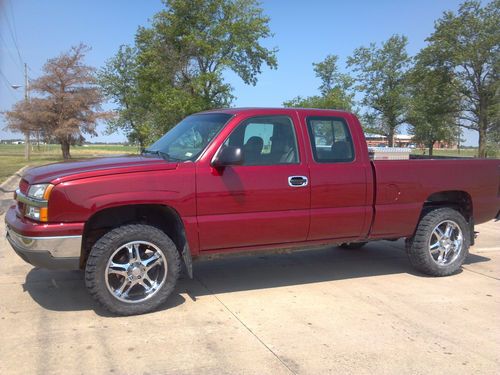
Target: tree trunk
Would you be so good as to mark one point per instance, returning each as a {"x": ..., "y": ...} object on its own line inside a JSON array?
[
  {"x": 483, "y": 126},
  {"x": 65, "y": 149},
  {"x": 482, "y": 140},
  {"x": 390, "y": 137},
  {"x": 38, "y": 140},
  {"x": 431, "y": 148}
]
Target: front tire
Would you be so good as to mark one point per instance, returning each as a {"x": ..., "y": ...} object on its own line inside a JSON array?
[
  {"x": 441, "y": 242},
  {"x": 132, "y": 269}
]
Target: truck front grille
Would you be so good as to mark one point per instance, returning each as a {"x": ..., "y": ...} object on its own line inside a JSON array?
[{"x": 23, "y": 186}]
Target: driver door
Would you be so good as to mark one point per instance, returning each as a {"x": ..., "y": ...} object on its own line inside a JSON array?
[{"x": 264, "y": 201}]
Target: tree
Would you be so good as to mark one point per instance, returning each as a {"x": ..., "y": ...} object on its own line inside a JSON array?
[
  {"x": 335, "y": 88},
  {"x": 433, "y": 105},
  {"x": 69, "y": 102},
  {"x": 176, "y": 66},
  {"x": 381, "y": 75},
  {"x": 119, "y": 83},
  {"x": 468, "y": 44}
]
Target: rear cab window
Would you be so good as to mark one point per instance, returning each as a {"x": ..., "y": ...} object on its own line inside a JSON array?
[{"x": 330, "y": 139}]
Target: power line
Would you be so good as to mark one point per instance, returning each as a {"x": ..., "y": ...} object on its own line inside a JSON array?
[
  {"x": 11, "y": 7},
  {"x": 7, "y": 84},
  {"x": 14, "y": 60},
  {"x": 6, "y": 79},
  {"x": 10, "y": 28}
]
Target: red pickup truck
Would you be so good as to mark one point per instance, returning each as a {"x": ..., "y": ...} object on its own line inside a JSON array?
[{"x": 238, "y": 180}]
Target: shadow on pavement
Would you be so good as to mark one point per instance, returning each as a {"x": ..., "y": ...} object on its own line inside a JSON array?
[{"x": 65, "y": 290}]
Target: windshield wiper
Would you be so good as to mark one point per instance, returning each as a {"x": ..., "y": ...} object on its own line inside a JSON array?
[{"x": 164, "y": 155}]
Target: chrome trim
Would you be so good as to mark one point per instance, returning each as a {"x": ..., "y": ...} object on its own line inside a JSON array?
[
  {"x": 58, "y": 247},
  {"x": 448, "y": 242},
  {"x": 29, "y": 200},
  {"x": 134, "y": 274},
  {"x": 305, "y": 181}
]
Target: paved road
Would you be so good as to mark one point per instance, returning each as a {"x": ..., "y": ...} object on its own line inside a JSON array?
[{"x": 316, "y": 312}]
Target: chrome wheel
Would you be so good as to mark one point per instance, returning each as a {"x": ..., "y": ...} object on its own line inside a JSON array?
[
  {"x": 446, "y": 242},
  {"x": 136, "y": 271}
]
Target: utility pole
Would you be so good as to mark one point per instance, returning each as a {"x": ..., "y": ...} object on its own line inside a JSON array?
[{"x": 26, "y": 99}]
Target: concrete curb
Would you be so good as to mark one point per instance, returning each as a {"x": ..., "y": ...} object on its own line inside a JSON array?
[{"x": 9, "y": 180}]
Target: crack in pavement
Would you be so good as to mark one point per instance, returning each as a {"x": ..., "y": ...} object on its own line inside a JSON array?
[
  {"x": 244, "y": 325},
  {"x": 5, "y": 204},
  {"x": 480, "y": 273}
]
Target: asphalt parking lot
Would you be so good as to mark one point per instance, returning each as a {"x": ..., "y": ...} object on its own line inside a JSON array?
[{"x": 313, "y": 312}]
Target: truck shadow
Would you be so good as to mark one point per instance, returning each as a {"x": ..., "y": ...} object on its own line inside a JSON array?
[{"x": 65, "y": 290}]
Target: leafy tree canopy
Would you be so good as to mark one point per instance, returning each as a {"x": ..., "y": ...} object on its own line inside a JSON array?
[
  {"x": 381, "y": 76},
  {"x": 176, "y": 66},
  {"x": 336, "y": 88},
  {"x": 433, "y": 105},
  {"x": 468, "y": 44},
  {"x": 68, "y": 104}
]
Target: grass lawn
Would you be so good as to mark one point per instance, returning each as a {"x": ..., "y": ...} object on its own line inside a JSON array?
[
  {"x": 12, "y": 156},
  {"x": 467, "y": 152}
]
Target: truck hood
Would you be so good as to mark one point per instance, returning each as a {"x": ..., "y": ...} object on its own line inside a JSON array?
[{"x": 73, "y": 170}]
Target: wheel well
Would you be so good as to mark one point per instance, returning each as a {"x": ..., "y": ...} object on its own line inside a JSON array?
[
  {"x": 458, "y": 200},
  {"x": 162, "y": 217}
]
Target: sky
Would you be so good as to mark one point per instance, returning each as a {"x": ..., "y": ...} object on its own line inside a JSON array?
[{"x": 33, "y": 31}]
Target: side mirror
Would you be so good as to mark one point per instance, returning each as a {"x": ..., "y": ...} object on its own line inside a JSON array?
[{"x": 227, "y": 156}]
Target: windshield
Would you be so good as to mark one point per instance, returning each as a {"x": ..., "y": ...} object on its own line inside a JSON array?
[{"x": 188, "y": 138}]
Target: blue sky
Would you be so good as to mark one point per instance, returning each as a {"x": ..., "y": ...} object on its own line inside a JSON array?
[{"x": 305, "y": 32}]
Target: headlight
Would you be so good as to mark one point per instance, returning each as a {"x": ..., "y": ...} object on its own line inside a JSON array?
[
  {"x": 38, "y": 191},
  {"x": 36, "y": 213},
  {"x": 37, "y": 202}
]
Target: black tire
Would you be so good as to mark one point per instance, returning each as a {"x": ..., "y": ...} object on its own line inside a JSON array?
[
  {"x": 96, "y": 269},
  {"x": 418, "y": 247},
  {"x": 353, "y": 245}
]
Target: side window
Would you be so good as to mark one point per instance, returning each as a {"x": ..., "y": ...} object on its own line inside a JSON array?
[
  {"x": 330, "y": 139},
  {"x": 266, "y": 141}
]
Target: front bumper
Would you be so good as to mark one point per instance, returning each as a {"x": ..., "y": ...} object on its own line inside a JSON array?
[{"x": 49, "y": 251}]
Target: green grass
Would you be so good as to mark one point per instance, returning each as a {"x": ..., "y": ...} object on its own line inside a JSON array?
[
  {"x": 12, "y": 156},
  {"x": 467, "y": 152}
]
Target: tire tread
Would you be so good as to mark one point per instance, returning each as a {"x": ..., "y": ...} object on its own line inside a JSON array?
[
  {"x": 100, "y": 253},
  {"x": 417, "y": 247}
]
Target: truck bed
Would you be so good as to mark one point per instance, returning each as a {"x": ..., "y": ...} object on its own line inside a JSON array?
[{"x": 402, "y": 186}]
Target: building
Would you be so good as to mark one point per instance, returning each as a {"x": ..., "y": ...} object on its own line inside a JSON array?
[
  {"x": 401, "y": 140},
  {"x": 377, "y": 140}
]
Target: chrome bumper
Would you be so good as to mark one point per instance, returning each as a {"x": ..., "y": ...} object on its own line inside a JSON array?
[{"x": 62, "y": 252}]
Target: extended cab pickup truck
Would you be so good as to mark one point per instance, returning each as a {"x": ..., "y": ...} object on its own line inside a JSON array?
[{"x": 243, "y": 180}]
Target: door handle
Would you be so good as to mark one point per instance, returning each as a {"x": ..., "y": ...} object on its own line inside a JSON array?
[{"x": 298, "y": 181}]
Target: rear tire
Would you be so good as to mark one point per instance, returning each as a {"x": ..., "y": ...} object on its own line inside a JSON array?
[
  {"x": 441, "y": 242},
  {"x": 132, "y": 269},
  {"x": 353, "y": 245}
]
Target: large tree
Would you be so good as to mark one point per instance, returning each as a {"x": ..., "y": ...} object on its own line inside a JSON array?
[
  {"x": 335, "y": 89},
  {"x": 68, "y": 103},
  {"x": 433, "y": 105},
  {"x": 176, "y": 66},
  {"x": 468, "y": 44},
  {"x": 119, "y": 83},
  {"x": 381, "y": 76}
]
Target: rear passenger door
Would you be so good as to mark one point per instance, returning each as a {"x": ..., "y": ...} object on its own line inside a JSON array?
[{"x": 339, "y": 203}]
